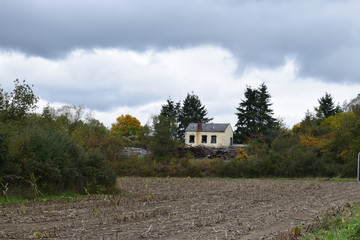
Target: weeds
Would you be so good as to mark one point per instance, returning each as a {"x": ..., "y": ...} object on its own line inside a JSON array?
[
  {"x": 34, "y": 185},
  {"x": 345, "y": 226},
  {"x": 5, "y": 191}
]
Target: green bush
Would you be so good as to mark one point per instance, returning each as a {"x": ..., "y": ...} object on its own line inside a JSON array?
[{"x": 99, "y": 175}]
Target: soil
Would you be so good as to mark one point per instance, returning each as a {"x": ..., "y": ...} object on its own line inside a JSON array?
[{"x": 183, "y": 208}]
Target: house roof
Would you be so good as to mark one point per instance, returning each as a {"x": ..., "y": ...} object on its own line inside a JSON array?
[{"x": 207, "y": 127}]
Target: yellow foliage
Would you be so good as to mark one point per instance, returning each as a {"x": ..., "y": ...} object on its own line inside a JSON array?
[
  {"x": 309, "y": 141},
  {"x": 296, "y": 127},
  {"x": 127, "y": 127},
  {"x": 241, "y": 155}
]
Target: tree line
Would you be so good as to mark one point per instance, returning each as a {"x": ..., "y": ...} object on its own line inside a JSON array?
[
  {"x": 324, "y": 144},
  {"x": 62, "y": 149},
  {"x": 67, "y": 149}
]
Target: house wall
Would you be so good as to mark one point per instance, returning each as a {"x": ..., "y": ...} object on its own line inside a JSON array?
[{"x": 223, "y": 139}]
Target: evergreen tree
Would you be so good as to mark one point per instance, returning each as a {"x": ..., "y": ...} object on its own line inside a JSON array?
[
  {"x": 255, "y": 115},
  {"x": 171, "y": 109},
  {"x": 246, "y": 115},
  {"x": 192, "y": 111},
  {"x": 169, "y": 116},
  {"x": 326, "y": 107},
  {"x": 265, "y": 119}
]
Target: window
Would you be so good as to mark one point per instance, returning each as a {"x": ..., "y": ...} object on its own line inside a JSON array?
[
  {"x": 204, "y": 139},
  {"x": 213, "y": 139},
  {"x": 192, "y": 139}
]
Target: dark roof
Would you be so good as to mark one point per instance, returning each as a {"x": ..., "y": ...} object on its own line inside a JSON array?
[{"x": 207, "y": 127}]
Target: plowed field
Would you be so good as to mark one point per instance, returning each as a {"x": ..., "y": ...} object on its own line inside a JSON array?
[{"x": 183, "y": 208}]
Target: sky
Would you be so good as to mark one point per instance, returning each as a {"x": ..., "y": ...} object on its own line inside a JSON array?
[{"x": 117, "y": 57}]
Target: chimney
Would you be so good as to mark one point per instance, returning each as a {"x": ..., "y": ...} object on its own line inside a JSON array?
[{"x": 199, "y": 126}]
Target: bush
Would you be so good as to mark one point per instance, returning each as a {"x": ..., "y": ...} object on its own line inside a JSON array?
[
  {"x": 55, "y": 158},
  {"x": 99, "y": 175},
  {"x": 51, "y": 155}
]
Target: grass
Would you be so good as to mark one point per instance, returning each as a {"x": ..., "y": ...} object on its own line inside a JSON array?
[
  {"x": 46, "y": 197},
  {"x": 12, "y": 199},
  {"x": 345, "y": 226}
]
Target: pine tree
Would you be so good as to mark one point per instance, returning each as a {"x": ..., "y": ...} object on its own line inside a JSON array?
[
  {"x": 265, "y": 119},
  {"x": 171, "y": 109},
  {"x": 246, "y": 115},
  {"x": 254, "y": 115},
  {"x": 326, "y": 107},
  {"x": 192, "y": 111}
]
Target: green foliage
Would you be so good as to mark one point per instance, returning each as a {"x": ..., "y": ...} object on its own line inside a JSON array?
[
  {"x": 192, "y": 111},
  {"x": 53, "y": 156},
  {"x": 57, "y": 150},
  {"x": 66, "y": 149},
  {"x": 169, "y": 116},
  {"x": 171, "y": 110},
  {"x": 255, "y": 116},
  {"x": 326, "y": 107},
  {"x": 16, "y": 104},
  {"x": 5, "y": 189},
  {"x": 343, "y": 226},
  {"x": 33, "y": 181},
  {"x": 324, "y": 148},
  {"x": 319, "y": 148},
  {"x": 174, "y": 114},
  {"x": 99, "y": 175},
  {"x": 163, "y": 142}
]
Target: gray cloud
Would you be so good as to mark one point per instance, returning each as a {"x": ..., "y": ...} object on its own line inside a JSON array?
[
  {"x": 101, "y": 99},
  {"x": 322, "y": 36}
]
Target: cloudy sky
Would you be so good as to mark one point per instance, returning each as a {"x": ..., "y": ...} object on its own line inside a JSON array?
[{"x": 128, "y": 56}]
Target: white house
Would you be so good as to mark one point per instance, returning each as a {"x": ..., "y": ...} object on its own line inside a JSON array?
[{"x": 209, "y": 134}]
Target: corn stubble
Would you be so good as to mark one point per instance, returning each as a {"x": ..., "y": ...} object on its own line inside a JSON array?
[{"x": 183, "y": 208}]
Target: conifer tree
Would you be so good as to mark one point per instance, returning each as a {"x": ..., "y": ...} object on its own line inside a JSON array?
[
  {"x": 254, "y": 114},
  {"x": 192, "y": 111},
  {"x": 326, "y": 107},
  {"x": 171, "y": 109}
]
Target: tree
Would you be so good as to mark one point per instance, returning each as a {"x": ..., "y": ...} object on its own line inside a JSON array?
[
  {"x": 192, "y": 111},
  {"x": 163, "y": 142},
  {"x": 326, "y": 107},
  {"x": 16, "y": 104},
  {"x": 68, "y": 117},
  {"x": 127, "y": 128},
  {"x": 171, "y": 109},
  {"x": 255, "y": 115},
  {"x": 169, "y": 116},
  {"x": 354, "y": 105}
]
